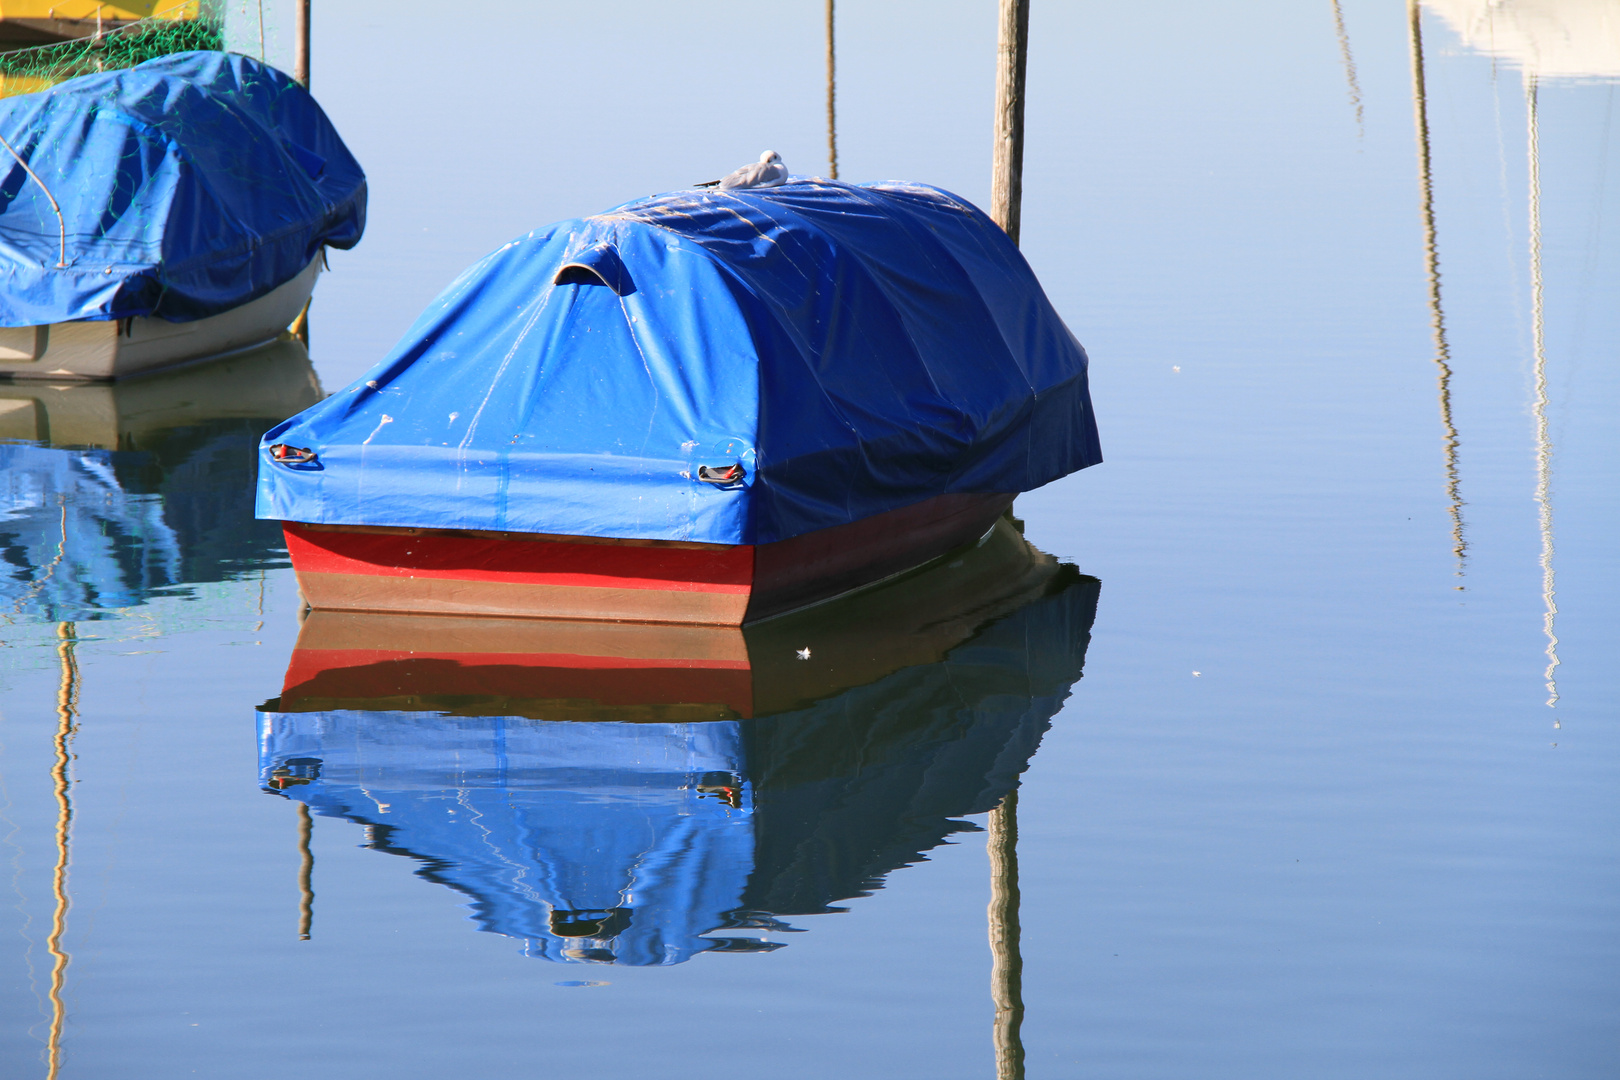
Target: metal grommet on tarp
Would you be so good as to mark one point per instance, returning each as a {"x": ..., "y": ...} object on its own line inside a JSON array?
[
  {"x": 723, "y": 476},
  {"x": 291, "y": 455}
]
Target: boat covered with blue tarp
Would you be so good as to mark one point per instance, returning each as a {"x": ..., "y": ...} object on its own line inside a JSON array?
[
  {"x": 183, "y": 187},
  {"x": 728, "y": 367}
]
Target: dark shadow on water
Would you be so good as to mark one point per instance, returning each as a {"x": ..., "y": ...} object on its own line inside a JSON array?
[{"x": 637, "y": 794}]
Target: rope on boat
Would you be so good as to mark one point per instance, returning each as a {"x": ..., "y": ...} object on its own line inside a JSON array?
[{"x": 61, "y": 262}]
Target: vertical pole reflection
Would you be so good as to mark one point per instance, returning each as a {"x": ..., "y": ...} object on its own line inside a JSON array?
[
  {"x": 1539, "y": 406},
  {"x": 1431, "y": 264},
  {"x": 1349, "y": 65},
  {"x": 1006, "y": 954},
  {"x": 67, "y": 711},
  {"x": 832, "y": 97},
  {"x": 306, "y": 872}
]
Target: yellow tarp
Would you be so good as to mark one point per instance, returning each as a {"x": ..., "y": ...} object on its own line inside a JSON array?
[{"x": 122, "y": 11}]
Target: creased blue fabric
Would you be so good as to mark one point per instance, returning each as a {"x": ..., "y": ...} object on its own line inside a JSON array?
[
  {"x": 856, "y": 348},
  {"x": 187, "y": 186}
]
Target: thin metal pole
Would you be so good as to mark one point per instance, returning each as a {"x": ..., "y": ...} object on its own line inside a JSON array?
[
  {"x": 1007, "y": 171},
  {"x": 832, "y": 96},
  {"x": 1006, "y": 954},
  {"x": 306, "y": 873},
  {"x": 301, "y": 44}
]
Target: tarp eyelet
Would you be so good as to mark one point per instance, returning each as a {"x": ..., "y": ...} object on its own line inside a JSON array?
[
  {"x": 291, "y": 455},
  {"x": 723, "y": 476}
]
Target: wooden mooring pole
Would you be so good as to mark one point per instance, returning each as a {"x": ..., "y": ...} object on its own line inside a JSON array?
[
  {"x": 832, "y": 95},
  {"x": 301, "y": 44},
  {"x": 1007, "y": 172},
  {"x": 1006, "y": 195}
]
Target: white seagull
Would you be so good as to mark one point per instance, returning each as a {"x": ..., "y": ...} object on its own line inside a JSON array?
[{"x": 768, "y": 171}]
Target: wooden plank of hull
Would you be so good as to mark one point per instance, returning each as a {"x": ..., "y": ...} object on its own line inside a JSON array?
[
  {"x": 116, "y": 349},
  {"x": 448, "y": 572},
  {"x": 442, "y": 571},
  {"x": 372, "y": 592}
]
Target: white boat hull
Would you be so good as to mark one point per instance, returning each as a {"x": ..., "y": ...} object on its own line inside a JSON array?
[{"x": 114, "y": 349}]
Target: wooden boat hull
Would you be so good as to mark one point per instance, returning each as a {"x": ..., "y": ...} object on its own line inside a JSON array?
[
  {"x": 454, "y": 572},
  {"x": 660, "y": 672},
  {"x": 115, "y": 349}
]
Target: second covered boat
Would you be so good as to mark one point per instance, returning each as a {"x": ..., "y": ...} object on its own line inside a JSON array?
[{"x": 704, "y": 407}]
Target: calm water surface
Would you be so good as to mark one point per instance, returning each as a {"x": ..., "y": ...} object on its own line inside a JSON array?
[{"x": 1335, "y": 796}]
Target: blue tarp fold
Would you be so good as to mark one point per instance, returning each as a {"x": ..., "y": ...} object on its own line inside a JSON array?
[
  {"x": 188, "y": 185},
  {"x": 856, "y": 348}
]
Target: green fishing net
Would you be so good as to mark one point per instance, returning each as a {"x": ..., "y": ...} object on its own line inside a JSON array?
[{"x": 26, "y": 70}]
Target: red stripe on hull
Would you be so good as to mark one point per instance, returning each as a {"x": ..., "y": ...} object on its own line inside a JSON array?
[
  {"x": 420, "y": 571},
  {"x": 451, "y": 557},
  {"x": 657, "y": 672}
]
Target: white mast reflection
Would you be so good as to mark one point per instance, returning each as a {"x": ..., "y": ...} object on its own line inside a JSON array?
[
  {"x": 1545, "y": 39},
  {"x": 1539, "y": 405}
]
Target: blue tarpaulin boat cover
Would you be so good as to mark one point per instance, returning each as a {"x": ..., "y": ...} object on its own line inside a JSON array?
[
  {"x": 187, "y": 186},
  {"x": 855, "y": 348}
]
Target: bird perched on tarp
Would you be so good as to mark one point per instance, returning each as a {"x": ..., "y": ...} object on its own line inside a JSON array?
[{"x": 768, "y": 171}]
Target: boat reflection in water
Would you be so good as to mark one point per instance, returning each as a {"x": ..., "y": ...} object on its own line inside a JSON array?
[
  {"x": 112, "y": 492},
  {"x": 637, "y": 794}
]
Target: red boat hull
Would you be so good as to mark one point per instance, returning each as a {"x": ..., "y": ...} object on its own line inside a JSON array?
[
  {"x": 559, "y": 669},
  {"x": 455, "y": 572}
]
